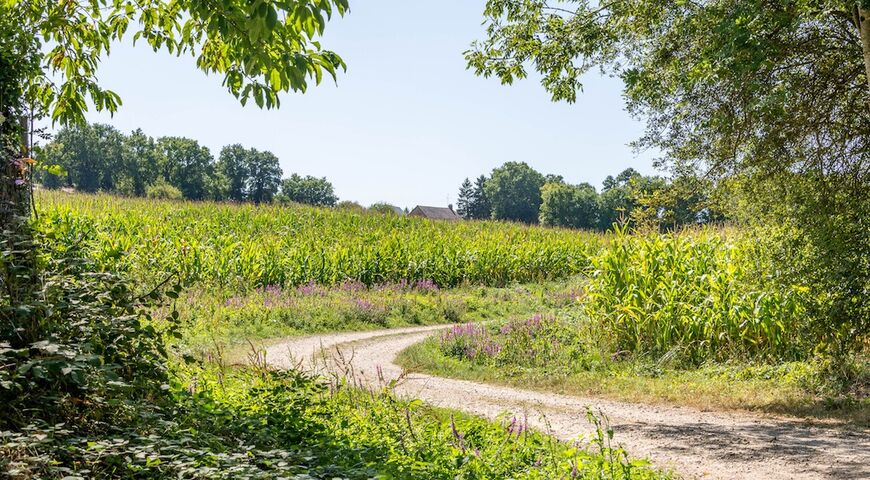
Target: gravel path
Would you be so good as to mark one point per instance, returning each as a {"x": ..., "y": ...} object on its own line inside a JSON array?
[{"x": 695, "y": 444}]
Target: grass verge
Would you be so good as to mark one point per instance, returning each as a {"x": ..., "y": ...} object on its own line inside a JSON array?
[{"x": 792, "y": 389}]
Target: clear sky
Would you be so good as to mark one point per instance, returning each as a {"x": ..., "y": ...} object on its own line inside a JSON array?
[{"x": 405, "y": 124}]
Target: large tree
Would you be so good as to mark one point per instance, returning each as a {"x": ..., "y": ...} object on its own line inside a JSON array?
[
  {"x": 463, "y": 200},
  {"x": 140, "y": 160},
  {"x": 770, "y": 98},
  {"x": 309, "y": 190},
  {"x": 234, "y": 165},
  {"x": 514, "y": 192},
  {"x": 572, "y": 206},
  {"x": 187, "y": 165},
  {"x": 91, "y": 155},
  {"x": 264, "y": 176},
  {"x": 480, "y": 208}
]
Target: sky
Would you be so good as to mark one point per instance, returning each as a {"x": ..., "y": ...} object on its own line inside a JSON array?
[{"x": 405, "y": 124}]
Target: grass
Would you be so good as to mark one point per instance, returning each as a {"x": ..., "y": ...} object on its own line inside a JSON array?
[
  {"x": 792, "y": 388},
  {"x": 227, "y": 320}
]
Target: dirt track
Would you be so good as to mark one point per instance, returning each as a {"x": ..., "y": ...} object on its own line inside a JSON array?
[{"x": 693, "y": 443}]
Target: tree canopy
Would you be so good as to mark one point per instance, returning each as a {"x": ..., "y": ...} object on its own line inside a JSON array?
[
  {"x": 260, "y": 48},
  {"x": 514, "y": 192},
  {"x": 309, "y": 190}
]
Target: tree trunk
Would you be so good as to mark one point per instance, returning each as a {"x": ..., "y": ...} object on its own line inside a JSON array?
[{"x": 862, "y": 17}]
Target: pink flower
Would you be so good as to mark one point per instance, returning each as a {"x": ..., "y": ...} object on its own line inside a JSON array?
[{"x": 19, "y": 182}]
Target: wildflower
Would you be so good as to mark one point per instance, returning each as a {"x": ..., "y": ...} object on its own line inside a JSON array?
[{"x": 19, "y": 182}]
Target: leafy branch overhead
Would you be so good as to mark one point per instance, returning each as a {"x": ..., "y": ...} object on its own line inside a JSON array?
[{"x": 261, "y": 47}]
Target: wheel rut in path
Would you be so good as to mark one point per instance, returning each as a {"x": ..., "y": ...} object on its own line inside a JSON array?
[{"x": 693, "y": 443}]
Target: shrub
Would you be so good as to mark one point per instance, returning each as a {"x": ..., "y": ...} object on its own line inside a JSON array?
[{"x": 162, "y": 190}]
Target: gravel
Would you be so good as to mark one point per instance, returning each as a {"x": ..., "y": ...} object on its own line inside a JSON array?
[{"x": 691, "y": 442}]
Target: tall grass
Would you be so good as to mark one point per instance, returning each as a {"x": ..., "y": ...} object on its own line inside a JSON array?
[{"x": 230, "y": 245}]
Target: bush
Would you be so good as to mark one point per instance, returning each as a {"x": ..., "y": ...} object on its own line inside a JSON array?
[
  {"x": 162, "y": 190},
  {"x": 350, "y": 206}
]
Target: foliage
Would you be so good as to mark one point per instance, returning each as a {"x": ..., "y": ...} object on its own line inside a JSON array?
[
  {"x": 187, "y": 165},
  {"x": 308, "y": 190},
  {"x": 350, "y": 206},
  {"x": 771, "y": 98},
  {"x": 99, "y": 158},
  {"x": 87, "y": 393},
  {"x": 514, "y": 192},
  {"x": 384, "y": 208},
  {"x": 18, "y": 59},
  {"x": 162, "y": 190},
  {"x": 233, "y": 164},
  {"x": 697, "y": 296},
  {"x": 243, "y": 245},
  {"x": 229, "y": 318},
  {"x": 92, "y": 156},
  {"x": 564, "y": 205},
  {"x": 261, "y": 49},
  {"x": 140, "y": 160},
  {"x": 265, "y": 174},
  {"x": 472, "y": 202}
]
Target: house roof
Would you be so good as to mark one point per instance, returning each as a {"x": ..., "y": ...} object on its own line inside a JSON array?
[{"x": 434, "y": 213}]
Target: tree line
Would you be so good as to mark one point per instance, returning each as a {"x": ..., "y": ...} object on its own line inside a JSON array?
[
  {"x": 98, "y": 157},
  {"x": 517, "y": 192}
]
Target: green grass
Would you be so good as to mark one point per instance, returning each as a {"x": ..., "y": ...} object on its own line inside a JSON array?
[
  {"x": 226, "y": 320},
  {"x": 791, "y": 388}
]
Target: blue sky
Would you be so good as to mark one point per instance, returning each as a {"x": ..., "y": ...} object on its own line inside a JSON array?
[{"x": 405, "y": 124}]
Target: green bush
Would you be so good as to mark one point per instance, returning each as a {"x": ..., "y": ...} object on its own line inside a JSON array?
[{"x": 162, "y": 190}]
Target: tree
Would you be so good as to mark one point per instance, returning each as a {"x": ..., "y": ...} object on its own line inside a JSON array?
[
  {"x": 572, "y": 206},
  {"x": 92, "y": 156},
  {"x": 479, "y": 209},
  {"x": 472, "y": 202},
  {"x": 309, "y": 190},
  {"x": 464, "y": 199},
  {"x": 384, "y": 208},
  {"x": 186, "y": 166},
  {"x": 514, "y": 192},
  {"x": 140, "y": 160},
  {"x": 770, "y": 97},
  {"x": 264, "y": 176},
  {"x": 234, "y": 165}
]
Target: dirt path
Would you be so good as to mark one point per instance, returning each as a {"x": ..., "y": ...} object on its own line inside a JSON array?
[{"x": 693, "y": 443}]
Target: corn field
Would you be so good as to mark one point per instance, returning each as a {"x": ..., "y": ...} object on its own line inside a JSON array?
[
  {"x": 244, "y": 245},
  {"x": 698, "y": 295}
]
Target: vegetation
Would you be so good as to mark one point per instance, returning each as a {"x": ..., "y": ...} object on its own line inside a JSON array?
[
  {"x": 628, "y": 198},
  {"x": 99, "y": 158},
  {"x": 230, "y": 319},
  {"x": 697, "y": 306},
  {"x": 90, "y": 392},
  {"x": 514, "y": 192},
  {"x": 769, "y": 102},
  {"x": 247, "y": 246},
  {"x": 308, "y": 190},
  {"x": 572, "y": 206},
  {"x": 472, "y": 202}
]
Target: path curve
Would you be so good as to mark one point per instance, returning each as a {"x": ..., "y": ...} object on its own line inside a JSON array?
[{"x": 694, "y": 443}]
